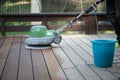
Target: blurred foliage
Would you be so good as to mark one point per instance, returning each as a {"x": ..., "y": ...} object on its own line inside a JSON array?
[
  {"x": 17, "y": 23},
  {"x": 14, "y": 6},
  {"x": 24, "y": 6}
]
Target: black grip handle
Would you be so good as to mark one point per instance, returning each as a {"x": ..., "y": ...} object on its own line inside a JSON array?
[
  {"x": 90, "y": 9},
  {"x": 74, "y": 19},
  {"x": 94, "y": 5}
]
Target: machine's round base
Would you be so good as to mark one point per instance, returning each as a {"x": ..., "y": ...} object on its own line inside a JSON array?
[{"x": 38, "y": 46}]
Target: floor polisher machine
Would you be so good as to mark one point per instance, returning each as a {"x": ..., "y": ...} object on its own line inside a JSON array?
[{"x": 41, "y": 38}]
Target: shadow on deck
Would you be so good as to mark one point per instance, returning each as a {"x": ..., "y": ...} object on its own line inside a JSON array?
[{"x": 72, "y": 59}]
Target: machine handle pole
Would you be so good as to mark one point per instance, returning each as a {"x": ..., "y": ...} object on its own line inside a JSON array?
[{"x": 88, "y": 10}]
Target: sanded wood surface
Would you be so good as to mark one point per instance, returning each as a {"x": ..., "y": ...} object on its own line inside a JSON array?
[{"x": 72, "y": 59}]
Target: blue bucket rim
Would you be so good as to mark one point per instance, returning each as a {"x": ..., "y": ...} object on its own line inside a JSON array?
[{"x": 103, "y": 41}]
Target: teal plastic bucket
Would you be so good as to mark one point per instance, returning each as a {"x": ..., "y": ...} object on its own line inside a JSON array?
[{"x": 103, "y": 52}]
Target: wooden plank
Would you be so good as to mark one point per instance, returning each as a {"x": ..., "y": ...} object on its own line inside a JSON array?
[
  {"x": 4, "y": 51},
  {"x": 54, "y": 68},
  {"x": 105, "y": 27},
  {"x": 104, "y": 73},
  {"x": 67, "y": 61},
  {"x": 3, "y": 28},
  {"x": 83, "y": 68},
  {"x": 79, "y": 50},
  {"x": 2, "y": 39},
  {"x": 17, "y": 28},
  {"x": 73, "y": 56},
  {"x": 115, "y": 69},
  {"x": 92, "y": 37},
  {"x": 10, "y": 70},
  {"x": 25, "y": 66},
  {"x": 71, "y": 72},
  {"x": 82, "y": 45},
  {"x": 71, "y": 53},
  {"x": 39, "y": 66},
  {"x": 118, "y": 64},
  {"x": 46, "y": 17},
  {"x": 84, "y": 39}
]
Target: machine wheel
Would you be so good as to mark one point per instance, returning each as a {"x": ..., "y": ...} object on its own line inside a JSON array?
[{"x": 57, "y": 38}]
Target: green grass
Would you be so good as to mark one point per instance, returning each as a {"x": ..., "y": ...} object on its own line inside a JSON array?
[
  {"x": 17, "y": 33},
  {"x": 117, "y": 45},
  {"x": 16, "y": 7}
]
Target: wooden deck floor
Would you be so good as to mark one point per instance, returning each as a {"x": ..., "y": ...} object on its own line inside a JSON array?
[{"x": 72, "y": 59}]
